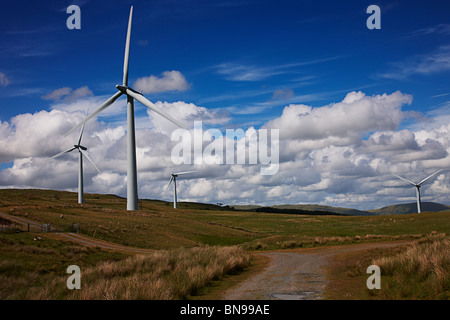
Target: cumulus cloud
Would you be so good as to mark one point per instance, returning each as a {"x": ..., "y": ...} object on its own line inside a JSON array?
[
  {"x": 339, "y": 154},
  {"x": 39, "y": 134},
  {"x": 356, "y": 114},
  {"x": 187, "y": 113},
  {"x": 169, "y": 81}
]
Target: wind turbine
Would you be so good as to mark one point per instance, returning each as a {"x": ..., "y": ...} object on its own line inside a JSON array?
[
  {"x": 418, "y": 185},
  {"x": 132, "y": 195},
  {"x": 174, "y": 179},
  {"x": 82, "y": 151}
]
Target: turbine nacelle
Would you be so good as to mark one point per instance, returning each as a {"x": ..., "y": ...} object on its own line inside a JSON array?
[
  {"x": 82, "y": 150},
  {"x": 418, "y": 185},
  {"x": 80, "y": 147},
  {"x": 174, "y": 176},
  {"x": 123, "y": 89}
]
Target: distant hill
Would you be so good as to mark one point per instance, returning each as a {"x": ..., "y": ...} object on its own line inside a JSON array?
[
  {"x": 316, "y": 207},
  {"x": 304, "y": 209},
  {"x": 411, "y": 208}
]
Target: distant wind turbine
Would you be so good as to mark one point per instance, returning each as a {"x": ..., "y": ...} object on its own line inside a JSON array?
[
  {"x": 82, "y": 151},
  {"x": 418, "y": 185},
  {"x": 132, "y": 194},
  {"x": 174, "y": 179}
]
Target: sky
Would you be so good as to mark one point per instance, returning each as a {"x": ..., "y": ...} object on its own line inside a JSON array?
[{"x": 352, "y": 105}]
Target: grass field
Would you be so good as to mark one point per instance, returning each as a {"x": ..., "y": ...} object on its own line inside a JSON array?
[
  {"x": 420, "y": 272},
  {"x": 158, "y": 226}
]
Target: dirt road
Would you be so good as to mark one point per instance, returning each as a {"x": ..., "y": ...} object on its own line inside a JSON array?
[
  {"x": 295, "y": 274},
  {"x": 75, "y": 237}
]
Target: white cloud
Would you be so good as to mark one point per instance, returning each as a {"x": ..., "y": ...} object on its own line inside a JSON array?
[
  {"x": 435, "y": 62},
  {"x": 4, "y": 81},
  {"x": 240, "y": 72},
  {"x": 339, "y": 154},
  {"x": 68, "y": 94},
  {"x": 283, "y": 94},
  {"x": 109, "y": 183},
  {"x": 39, "y": 134},
  {"x": 187, "y": 113},
  {"x": 357, "y": 114},
  {"x": 200, "y": 188},
  {"x": 169, "y": 81}
]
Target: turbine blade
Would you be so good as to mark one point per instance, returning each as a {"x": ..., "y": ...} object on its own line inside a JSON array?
[
  {"x": 81, "y": 133},
  {"x": 105, "y": 105},
  {"x": 171, "y": 178},
  {"x": 429, "y": 177},
  {"x": 405, "y": 180},
  {"x": 151, "y": 106},
  {"x": 90, "y": 160},
  {"x": 64, "y": 152},
  {"x": 185, "y": 172},
  {"x": 168, "y": 166},
  {"x": 127, "y": 50}
]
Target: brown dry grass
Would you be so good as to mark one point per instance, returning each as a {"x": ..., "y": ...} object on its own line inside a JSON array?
[
  {"x": 417, "y": 271},
  {"x": 422, "y": 271},
  {"x": 163, "y": 275}
]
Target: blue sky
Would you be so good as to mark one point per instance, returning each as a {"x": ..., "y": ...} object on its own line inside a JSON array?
[
  {"x": 243, "y": 61},
  {"x": 235, "y": 54}
]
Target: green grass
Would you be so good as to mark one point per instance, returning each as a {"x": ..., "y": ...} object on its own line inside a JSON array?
[
  {"x": 27, "y": 265},
  {"x": 158, "y": 226}
]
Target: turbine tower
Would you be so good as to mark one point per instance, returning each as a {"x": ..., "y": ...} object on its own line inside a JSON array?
[
  {"x": 174, "y": 179},
  {"x": 132, "y": 194},
  {"x": 418, "y": 185},
  {"x": 82, "y": 151}
]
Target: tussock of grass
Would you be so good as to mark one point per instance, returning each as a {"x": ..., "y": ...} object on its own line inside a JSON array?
[
  {"x": 163, "y": 275},
  {"x": 27, "y": 265},
  {"x": 292, "y": 242},
  {"x": 420, "y": 272}
]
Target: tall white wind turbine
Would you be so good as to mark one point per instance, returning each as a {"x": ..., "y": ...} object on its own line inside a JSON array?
[
  {"x": 418, "y": 185},
  {"x": 82, "y": 151},
  {"x": 174, "y": 179},
  {"x": 132, "y": 194}
]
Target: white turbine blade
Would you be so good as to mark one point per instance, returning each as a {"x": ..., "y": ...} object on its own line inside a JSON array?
[
  {"x": 151, "y": 106},
  {"x": 64, "y": 152},
  {"x": 185, "y": 172},
  {"x": 171, "y": 178},
  {"x": 127, "y": 50},
  {"x": 81, "y": 133},
  {"x": 82, "y": 128},
  {"x": 105, "y": 105},
  {"x": 405, "y": 180},
  {"x": 429, "y": 177},
  {"x": 168, "y": 166},
  {"x": 90, "y": 160}
]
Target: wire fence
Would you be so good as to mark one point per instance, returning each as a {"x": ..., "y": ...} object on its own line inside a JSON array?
[
  {"x": 73, "y": 227},
  {"x": 12, "y": 226},
  {"x": 86, "y": 227},
  {"x": 22, "y": 226}
]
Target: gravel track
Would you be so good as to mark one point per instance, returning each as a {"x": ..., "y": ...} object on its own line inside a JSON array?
[{"x": 295, "y": 274}]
